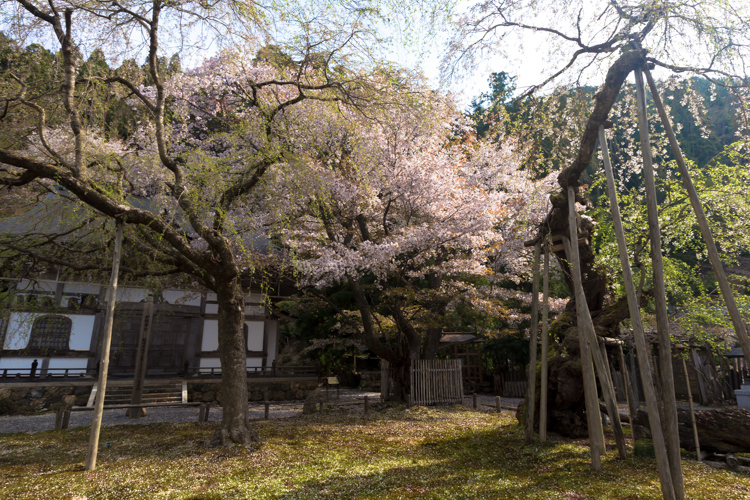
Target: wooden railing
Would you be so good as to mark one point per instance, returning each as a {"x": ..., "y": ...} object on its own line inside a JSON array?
[{"x": 57, "y": 373}]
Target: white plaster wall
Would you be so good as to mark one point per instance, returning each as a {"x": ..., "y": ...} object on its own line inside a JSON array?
[
  {"x": 179, "y": 297},
  {"x": 255, "y": 310},
  {"x": 210, "y": 335},
  {"x": 19, "y": 330},
  {"x": 254, "y": 362},
  {"x": 212, "y": 308},
  {"x": 75, "y": 365},
  {"x": 81, "y": 288},
  {"x": 22, "y": 363},
  {"x": 210, "y": 363},
  {"x": 272, "y": 330},
  {"x": 255, "y": 335},
  {"x": 129, "y": 294},
  {"x": 38, "y": 286}
]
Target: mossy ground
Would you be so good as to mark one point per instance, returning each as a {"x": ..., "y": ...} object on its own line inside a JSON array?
[{"x": 449, "y": 453}]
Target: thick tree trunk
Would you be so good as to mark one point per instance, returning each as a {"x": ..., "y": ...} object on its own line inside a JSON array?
[
  {"x": 235, "y": 427},
  {"x": 724, "y": 430},
  {"x": 566, "y": 410}
]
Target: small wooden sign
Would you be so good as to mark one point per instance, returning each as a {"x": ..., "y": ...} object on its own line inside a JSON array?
[{"x": 333, "y": 380}]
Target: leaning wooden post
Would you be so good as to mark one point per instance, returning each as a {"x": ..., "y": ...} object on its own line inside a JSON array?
[
  {"x": 591, "y": 398},
  {"x": 545, "y": 347},
  {"x": 713, "y": 254},
  {"x": 639, "y": 338},
  {"x": 588, "y": 327},
  {"x": 628, "y": 393},
  {"x": 531, "y": 389},
  {"x": 104, "y": 359},
  {"x": 660, "y": 298},
  {"x": 692, "y": 410}
]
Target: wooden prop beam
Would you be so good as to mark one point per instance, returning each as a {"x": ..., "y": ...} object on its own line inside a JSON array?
[
  {"x": 713, "y": 254},
  {"x": 545, "y": 348},
  {"x": 106, "y": 345},
  {"x": 692, "y": 410},
  {"x": 628, "y": 393},
  {"x": 531, "y": 388},
  {"x": 602, "y": 369},
  {"x": 639, "y": 337},
  {"x": 591, "y": 398},
  {"x": 672, "y": 436}
]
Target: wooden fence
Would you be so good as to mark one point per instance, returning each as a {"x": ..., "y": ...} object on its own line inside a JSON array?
[{"x": 436, "y": 381}]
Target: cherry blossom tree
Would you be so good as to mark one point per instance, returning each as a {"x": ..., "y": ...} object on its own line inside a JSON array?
[
  {"x": 411, "y": 222},
  {"x": 205, "y": 140}
]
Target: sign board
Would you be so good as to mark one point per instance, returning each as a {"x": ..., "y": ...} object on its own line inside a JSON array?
[{"x": 333, "y": 380}]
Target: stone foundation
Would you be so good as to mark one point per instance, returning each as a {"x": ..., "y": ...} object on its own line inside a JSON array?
[
  {"x": 26, "y": 400},
  {"x": 370, "y": 380},
  {"x": 31, "y": 398},
  {"x": 210, "y": 392}
]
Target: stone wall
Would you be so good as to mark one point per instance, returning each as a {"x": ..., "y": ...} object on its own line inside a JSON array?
[
  {"x": 282, "y": 390},
  {"x": 26, "y": 400},
  {"x": 369, "y": 380},
  {"x": 31, "y": 399}
]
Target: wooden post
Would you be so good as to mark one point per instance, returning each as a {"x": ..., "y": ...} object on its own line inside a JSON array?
[
  {"x": 366, "y": 404},
  {"x": 698, "y": 374},
  {"x": 106, "y": 344},
  {"x": 591, "y": 398},
  {"x": 632, "y": 411},
  {"x": 266, "y": 410},
  {"x": 59, "y": 417},
  {"x": 202, "y": 413},
  {"x": 545, "y": 347},
  {"x": 497, "y": 403},
  {"x": 474, "y": 400},
  {"x": 141, "y": 360},
  {"x": 713, "y": 254},
  {"x": 589, "y": 334},
  {"x": 672, "y": 437},
  {"x": 66, "y": 418},
  {"x": 692, "y": 410},
  {"x": 639, "y": 337},
  {"x": 531, "y": 388}
]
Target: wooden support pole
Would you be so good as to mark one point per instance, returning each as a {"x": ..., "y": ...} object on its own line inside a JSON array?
[
  {"x": 106, "y": 345},
  {"x": 713, "y": 254},
  {"x": 531, "y": 388},
  {"x": 692, "y": 410},
  {"x": 628, "y": 393},
  {"x": 59, "y": 417},
  {"x": 545, "y": 348},
  {"x": 591, "y": 398},
  {"x": 639, "y": 337},
  {"x": 366, "y": 405},
  {"x": 474, "y": 400},
  {"x": 266, "y": 410},
  {"x": 672, "y": 437},
  {"x": 497, "y": 403},
  {"x": 699, "y": 376},
  {"x": 602, "y": 369}
]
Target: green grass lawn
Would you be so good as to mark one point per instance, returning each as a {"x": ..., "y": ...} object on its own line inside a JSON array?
[{"x": 417, "y": 453}]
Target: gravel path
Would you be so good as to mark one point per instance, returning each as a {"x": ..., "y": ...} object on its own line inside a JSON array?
[{"x": 46, "y": 422}]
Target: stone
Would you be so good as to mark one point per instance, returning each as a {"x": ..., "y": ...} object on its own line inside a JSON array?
[{"x": 36, "y": 393}]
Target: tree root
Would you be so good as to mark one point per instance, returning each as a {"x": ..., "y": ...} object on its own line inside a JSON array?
[{"x": 243, "y": 435}]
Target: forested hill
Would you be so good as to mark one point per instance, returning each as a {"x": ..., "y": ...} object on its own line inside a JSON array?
[{"x": 704, "y": 114}]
